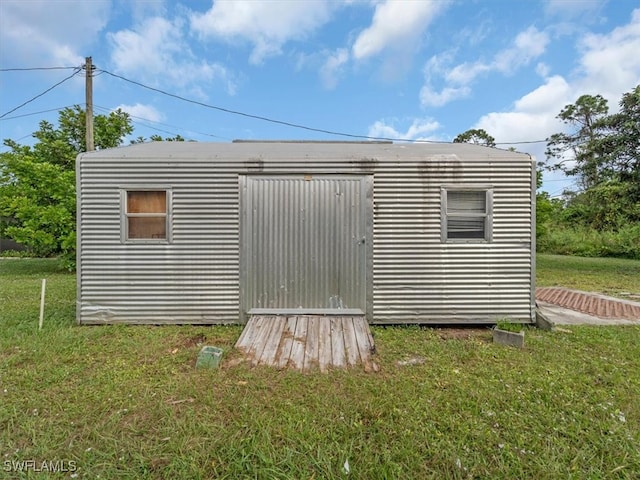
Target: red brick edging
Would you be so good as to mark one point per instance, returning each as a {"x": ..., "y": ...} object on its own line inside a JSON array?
[{"x": 595, "y": 305}]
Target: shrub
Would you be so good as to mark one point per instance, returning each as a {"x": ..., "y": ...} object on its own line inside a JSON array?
[{"x": 585, "y": 242}]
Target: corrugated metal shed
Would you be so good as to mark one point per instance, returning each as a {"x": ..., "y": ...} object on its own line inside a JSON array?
[{"x": 263, "y": 226}]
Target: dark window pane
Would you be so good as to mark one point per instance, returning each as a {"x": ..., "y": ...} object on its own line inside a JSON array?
[{"x": 465, "y": 227}]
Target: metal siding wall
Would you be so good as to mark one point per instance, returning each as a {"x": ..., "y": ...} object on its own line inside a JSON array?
[
  {"x": 416, "y": 278},
  {"x": 194, "y": 279}
]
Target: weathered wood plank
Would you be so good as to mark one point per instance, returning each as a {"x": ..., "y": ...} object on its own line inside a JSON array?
[
  {"x": 247, "y": 333},
  {"x": 253, "y": 334},
  {"x": 296, "y": 359},
  {"x": 284, "y": 350},
  {"x": 311, "y": 345},
  {"x": 364, "y": 344},
  {"x": 338, "y": 357},
  {"x": 260, "y": 340},
  {"x": 272, "y": 342},
  {"x": 352, "y": 352},
  {"x": 324, "y": 344}
]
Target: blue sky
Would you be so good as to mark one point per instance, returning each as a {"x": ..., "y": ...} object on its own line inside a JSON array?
[{"x": 403, "y": 69}]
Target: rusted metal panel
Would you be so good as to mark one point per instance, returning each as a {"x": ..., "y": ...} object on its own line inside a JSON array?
[{"x": 412, "y": 276}]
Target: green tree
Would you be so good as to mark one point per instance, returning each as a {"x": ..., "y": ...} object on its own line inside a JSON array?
[
  {"x": 548, "y": 209},
  {"x": 477, "y": 136},
  {"x": 619, "y": 148},
  {"x": 158, "y": 138},
  {"x": 603, "y": 151},
  {"x": 576, "y": 153},
  {"x": 37, "y": 183}
]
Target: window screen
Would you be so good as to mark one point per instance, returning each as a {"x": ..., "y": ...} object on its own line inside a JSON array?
[
  {"x": 466, "y": 215},
  {"x": 146, "y": 214}
]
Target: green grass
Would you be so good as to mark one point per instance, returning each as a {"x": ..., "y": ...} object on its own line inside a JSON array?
[
  {"x": 126, "y": 401},
  {"x": 611, "y": 276}
]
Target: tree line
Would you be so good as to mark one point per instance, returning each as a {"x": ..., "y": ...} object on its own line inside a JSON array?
[{"x": 601, "y": 151}]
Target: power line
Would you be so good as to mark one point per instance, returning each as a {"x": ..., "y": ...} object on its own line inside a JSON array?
[
  {"x": 267, "y": 119},
  {"x": 291, "y": 124},
  {"x": 104, "y": 109},
  {"x": 234, "y": 112},
  {"x": 521, "y": 143},
  {"x": 34, "y": 113},
  {"x": 34, "y": 68},
  {"x": 76, "y": 70}
]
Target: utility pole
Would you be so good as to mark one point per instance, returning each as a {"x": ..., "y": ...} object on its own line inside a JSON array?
[{"x": 89, "y": 107}]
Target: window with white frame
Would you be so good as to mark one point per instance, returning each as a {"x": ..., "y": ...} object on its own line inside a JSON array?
[
  {"x": 146, "y": 215},
  {"x": 466, "y": 214}
]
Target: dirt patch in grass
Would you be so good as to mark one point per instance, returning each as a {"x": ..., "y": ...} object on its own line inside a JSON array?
[
  {"x": 464, "y": 333},
  {"x": 193, "y": 341}
]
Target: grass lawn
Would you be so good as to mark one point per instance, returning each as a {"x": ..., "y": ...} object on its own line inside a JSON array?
[
  {"x": 126, "y": 401},
  {"x": 611, "y": 276}
]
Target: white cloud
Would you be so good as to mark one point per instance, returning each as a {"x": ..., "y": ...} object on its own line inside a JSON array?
[
  {"x": 395, "y": 34},
  {"x": 472, "y": 36},
  {"x": 466, "y": 73},
  {"x": 42, "y": 32},
  {"x": 396, "y": 25},
  {"x": 609, "y": 66},
  {"x": 141, "y": 111},
  {"x": 573, "y": 8},
  {"x": 420, "y": 129},
  {"x": 610, "y": 63},
  {"x": 333, "y": 67},
  {"x": 435, "y": 68},
  {"x": 141, "y": 9},
  {"x": 396, "y": 28},
  {"x": 551, "y": 96},
  {"x": 528, "y": 45},
  {"x": 266, "y": 25},
  {"x": 156, "y": 52},
  {"x": 533, "y": 115},
  {"x": 438, "y": 64},
  {"x": 543, "y": 69},
  {"x": 434, "y": 98}
]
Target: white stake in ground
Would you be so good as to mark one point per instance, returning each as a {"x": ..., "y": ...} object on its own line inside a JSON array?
[{"x": 44, "y": 287}]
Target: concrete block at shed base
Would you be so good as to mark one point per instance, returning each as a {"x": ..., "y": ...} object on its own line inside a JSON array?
[
  {"x": 504, "y": 337},
  {"x": 542, "y": 321},
  {"x": 209, "y": 357}
]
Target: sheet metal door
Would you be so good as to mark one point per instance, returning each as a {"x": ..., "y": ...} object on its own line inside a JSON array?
[{"x": 305, "y": 243}]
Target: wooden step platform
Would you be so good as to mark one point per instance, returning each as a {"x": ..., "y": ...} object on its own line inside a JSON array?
[{"x": 308, "y": 342}]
